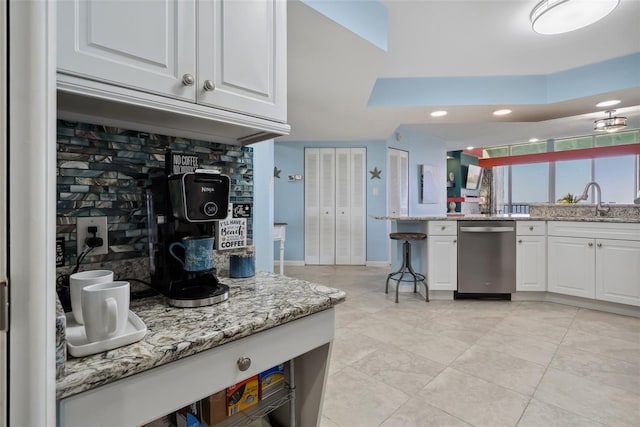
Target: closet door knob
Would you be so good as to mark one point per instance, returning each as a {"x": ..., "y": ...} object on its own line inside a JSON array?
[{"x": 209, "y": 85}]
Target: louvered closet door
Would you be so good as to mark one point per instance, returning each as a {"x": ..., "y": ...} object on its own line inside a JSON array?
[
  {"x": 343, "y": 206},
  {"x": 327, "y": 191},
  {"x": 358, "y": 206},
  {"x": 311, "y": 206}
]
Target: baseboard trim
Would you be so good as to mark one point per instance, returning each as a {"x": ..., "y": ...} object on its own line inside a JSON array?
[
  {"x": 377, "y": 264},
  {"x": 609, "y": 307}
]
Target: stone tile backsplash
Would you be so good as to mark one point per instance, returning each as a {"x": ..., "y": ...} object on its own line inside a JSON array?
[{"x": 103, "y": 171}]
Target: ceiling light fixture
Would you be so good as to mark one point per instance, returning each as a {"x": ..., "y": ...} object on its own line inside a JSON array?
[
  {"x": 534, "y": 140},
  {"x": 502, "y": 112},
  {"x": 609, "y": 103},
  {"x": 563, "y": 16},
  {"x": 610, "y": 124},
  {"x": 470, "y": 147},
  {"x": 438, "y": 113}
]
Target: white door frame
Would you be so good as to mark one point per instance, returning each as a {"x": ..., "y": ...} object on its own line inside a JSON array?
[
  {"x": 32, "y": 212},
  {"x": 3, "y": 203}
]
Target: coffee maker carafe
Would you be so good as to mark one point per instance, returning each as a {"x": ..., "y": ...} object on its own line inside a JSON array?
[{"x": 182, "y": 210}]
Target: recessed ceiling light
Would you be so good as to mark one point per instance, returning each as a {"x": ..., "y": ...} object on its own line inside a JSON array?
[
  {"x": 502, "y": 112},
  {"x": 562, "y": 16},
  {"x": 608, "y": 103},
  {"x": 470, "y": 147},
  {"x": 438, "y": 113},
  {"x": 534, "y": 140}
]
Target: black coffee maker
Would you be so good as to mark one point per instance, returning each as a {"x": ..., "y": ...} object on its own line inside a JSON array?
[{"x": 183, "y": 208}]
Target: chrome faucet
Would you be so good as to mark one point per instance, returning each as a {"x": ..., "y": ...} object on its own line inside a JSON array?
[{"x": 600, "y": 208}]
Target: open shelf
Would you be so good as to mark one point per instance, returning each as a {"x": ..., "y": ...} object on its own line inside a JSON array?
[{"x": 264, "y": 407}]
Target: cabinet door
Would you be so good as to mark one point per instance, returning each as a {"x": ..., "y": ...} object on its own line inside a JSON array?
[
  {"x": 311, "y": 206},
  {"x": 398, "y": 183},
  {"x": 145, "y": 45},
  {"x": 442, "y": 263},
  {"x": 531, "y": 263},
  {"x": 571, "y": 264},
  {"x": 618, "y": 271},
  {"x": 242, "y": 52}
]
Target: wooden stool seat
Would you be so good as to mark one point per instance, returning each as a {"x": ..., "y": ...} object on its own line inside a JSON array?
[
  {"x": 407, "y": 236},
  {"x": 406, "y": 269}
]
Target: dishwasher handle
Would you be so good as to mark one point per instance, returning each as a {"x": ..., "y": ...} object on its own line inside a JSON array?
[{"x": 487, "y": 229}]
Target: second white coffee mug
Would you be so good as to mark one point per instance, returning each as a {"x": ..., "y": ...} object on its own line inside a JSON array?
[
  {"x": 105, "y": 307},
  {"x": 78, "y": 281}
]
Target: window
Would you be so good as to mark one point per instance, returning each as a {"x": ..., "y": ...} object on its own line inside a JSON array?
[
  {"x": 529, "y": 184},
  {"x": 571, "y": 177},
  {"x": 616, "y": 177}
]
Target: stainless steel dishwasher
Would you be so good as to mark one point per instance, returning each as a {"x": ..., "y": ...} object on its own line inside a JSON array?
[{"x": 486, "y": 259}]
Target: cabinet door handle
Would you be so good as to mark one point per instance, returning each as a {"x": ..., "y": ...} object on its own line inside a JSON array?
[
  {"x": 520, "y": 241},
  {"x": 531, "y": 228},
  {"x": 454, "y": 241},
  {"x": 188, "y": 80},
  {"x": 599, "y": 245},
  {"x": 590, "y": 244},
  {"x": 244, "y": 363},
  {"x": 209, "y": 85},
  {"x": 443, "y": 228}
]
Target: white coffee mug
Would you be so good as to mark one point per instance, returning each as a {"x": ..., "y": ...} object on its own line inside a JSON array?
[
  {"x": 105, "y": 307},
  {"x": 78, "y": 281}
]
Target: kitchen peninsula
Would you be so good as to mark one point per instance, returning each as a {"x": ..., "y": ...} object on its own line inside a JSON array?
[
  {"x": 564, "y": 254},
  {"x": 191, "y": 353}
]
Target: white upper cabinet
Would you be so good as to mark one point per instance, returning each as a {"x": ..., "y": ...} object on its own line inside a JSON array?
[
  {"x": 142, "y": 45},
  {"x": 203, "y": 60},
  {"x": 241, "y": 56}
]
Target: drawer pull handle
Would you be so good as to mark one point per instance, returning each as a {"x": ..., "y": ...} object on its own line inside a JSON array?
[
  {"x": 454, "y": 241},
  {"x": 443, "y": 228},
  {"x": 590, "y": 244},
  {"x": 520, "y": 241},
  {"x": 531, "y": 228},
  {"x": 244, "y": 363},
  {"x": 599, "y": 245}
]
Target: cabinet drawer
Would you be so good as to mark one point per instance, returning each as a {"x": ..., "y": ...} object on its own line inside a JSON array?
[
  {"x": 595, "y": 230},
  {"x": 442, "y": 228},
  {"x": 531, "y": 228}
]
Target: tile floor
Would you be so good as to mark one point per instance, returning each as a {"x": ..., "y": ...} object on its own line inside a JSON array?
[{"x": 474, "y": 363}]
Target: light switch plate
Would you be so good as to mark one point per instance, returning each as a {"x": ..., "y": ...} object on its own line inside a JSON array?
[{"x": 82, "y": 232}]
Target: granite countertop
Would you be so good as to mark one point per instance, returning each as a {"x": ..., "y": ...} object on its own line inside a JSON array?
[
  {"x": 517, "y": 217},
  {"x": 255, "y": 304}
]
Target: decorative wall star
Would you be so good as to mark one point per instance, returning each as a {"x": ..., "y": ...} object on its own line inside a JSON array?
[
  {"x": 276, "y": 172},
  {"x": 375, "y": 173}
]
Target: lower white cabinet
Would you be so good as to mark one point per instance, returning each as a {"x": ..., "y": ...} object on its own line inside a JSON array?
[
  {"x": 140, "y": 398},
  {"x": 531, "y": 256},
  {"x": 442, "y": 248},
  {"x": 618, "y": 271},
  {"x": 593, "y": 260},
  {"x": 572, "y": 266}
]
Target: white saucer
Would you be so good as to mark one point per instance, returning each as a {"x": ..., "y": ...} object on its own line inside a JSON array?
[{"x": 78, "y": 345}]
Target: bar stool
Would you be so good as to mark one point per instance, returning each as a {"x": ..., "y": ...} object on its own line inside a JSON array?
[{"x": 406, "y": 269}]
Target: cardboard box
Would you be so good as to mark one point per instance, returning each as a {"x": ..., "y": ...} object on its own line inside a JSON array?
[
  {"x": 242, "y": 395},
  {"x": 214, "y": 408},
  {"x": 271, "y": 380}
]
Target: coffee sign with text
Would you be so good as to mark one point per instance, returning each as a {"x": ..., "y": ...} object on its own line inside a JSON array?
[{"x": 231, "y": 233}]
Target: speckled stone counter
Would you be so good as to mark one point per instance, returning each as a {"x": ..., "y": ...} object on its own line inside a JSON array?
[
  {"x": 542, "y": 216},
  {"x": 255, "y": 304}
]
